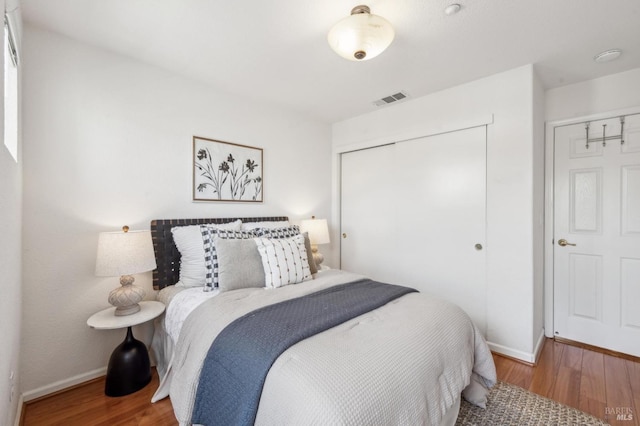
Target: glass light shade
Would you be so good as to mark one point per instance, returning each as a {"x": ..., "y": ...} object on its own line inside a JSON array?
[
  {"x": 124, "y": 253},
  {"x": 318, "y": 230},
  {"x": 361, "y": 32}
]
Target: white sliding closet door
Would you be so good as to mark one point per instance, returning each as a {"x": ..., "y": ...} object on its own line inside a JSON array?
[
  {"x": 368, "y": 212},
  {"x": 441, "y": 197},
  {"x": 414, "y": 213}
]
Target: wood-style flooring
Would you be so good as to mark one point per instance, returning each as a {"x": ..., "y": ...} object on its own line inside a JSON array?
[
  {"x": 87, "y": 405},
  {"x": 600, "y": 384}
]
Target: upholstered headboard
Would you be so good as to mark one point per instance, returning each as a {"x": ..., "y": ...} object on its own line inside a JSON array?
[{"x": 167, "y": 255}]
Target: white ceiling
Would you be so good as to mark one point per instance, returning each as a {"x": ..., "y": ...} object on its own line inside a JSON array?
[{"x": 276, "y": 51}]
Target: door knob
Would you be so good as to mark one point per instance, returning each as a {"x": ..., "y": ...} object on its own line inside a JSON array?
[
  {"x": 478, "y": 247},
  {"x": 344, "y": 235},
  {"x": 562, "y": 243}
]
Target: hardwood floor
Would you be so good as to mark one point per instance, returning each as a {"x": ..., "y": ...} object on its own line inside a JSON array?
[
  {"x": 87, "y": 405},
  {"x": 599, "y": 384}
]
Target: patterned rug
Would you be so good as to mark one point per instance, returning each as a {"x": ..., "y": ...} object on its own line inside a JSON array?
[{"x": 511, "y": 405}]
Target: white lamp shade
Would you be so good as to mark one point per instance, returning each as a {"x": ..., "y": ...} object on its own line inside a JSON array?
[
  {"x": 318, "y": 230},
  {"x": 124, "y": 253},
  {"x": 361, "y": 32}
]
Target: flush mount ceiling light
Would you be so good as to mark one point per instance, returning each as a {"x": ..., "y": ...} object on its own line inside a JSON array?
[
  {"x": 361, "y": 36},
  {"x": 452, "y": 9},
  {"x": 607, "y": 55}
]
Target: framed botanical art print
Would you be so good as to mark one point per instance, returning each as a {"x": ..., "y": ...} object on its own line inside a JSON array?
[{"x": 224, "y": 171}]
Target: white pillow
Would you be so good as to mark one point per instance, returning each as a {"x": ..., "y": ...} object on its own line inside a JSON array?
[
  {"x": 247, "y": 226},
  {"x": 284, "y": 260},
  {"x": 188, "y": 240}
]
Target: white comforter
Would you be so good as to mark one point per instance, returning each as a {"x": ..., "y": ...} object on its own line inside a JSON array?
[{"x": 404, "y": 363}]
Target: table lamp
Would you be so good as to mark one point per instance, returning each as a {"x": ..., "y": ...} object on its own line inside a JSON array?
[
  {"x": 123, "y": 254},
  {"x": 318, "y": 231}
]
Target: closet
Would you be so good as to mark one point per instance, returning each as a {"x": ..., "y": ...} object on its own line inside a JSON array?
[{"x": 414, "y": 213}]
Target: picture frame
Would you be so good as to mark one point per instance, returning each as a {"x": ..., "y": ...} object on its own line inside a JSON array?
[{"x": 225, "y": 171}]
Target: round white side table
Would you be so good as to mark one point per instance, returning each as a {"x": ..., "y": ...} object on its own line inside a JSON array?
[{"x": 129, "y": 367}]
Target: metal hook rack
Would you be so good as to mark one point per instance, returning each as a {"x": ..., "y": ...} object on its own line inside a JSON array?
[{"x": 604, "y": 137}]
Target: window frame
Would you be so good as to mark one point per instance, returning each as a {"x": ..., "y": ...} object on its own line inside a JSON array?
[{"x": 11, "y": 109}]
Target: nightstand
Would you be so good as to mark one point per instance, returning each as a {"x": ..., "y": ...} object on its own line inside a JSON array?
[{"x": 129, "y": 366}]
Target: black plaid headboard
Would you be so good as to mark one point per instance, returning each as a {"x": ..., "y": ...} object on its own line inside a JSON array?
[{"x": 167, "y": 255}]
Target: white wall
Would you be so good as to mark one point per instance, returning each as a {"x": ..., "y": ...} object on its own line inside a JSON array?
[
  {"x": 509, "y": 98},
  {"x": 108, "y": 143},
  {"x": 10, "y": 260},
  {"x": 538, "y": 212},
  {"x": 604, "y": 94}
]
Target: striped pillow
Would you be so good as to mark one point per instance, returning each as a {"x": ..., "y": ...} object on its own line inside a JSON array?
[
  {"x": 286, "y": 232},
  {"x": 284, "y": 260},
  {"x": 209, "y": 233},
  {"x": 281, "y": 232}
]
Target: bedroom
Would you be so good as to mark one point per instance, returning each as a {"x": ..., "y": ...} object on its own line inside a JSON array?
[{"x": 106, "y": 141}]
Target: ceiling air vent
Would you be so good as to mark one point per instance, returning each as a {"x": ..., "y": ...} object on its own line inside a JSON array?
[{"x": 391, "y": 99}]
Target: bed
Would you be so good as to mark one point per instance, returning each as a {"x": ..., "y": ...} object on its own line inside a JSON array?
[{"x": 408, "y": 360}]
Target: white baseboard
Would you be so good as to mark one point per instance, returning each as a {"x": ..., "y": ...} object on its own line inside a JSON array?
[
  {"x": 63, "y": 384},
  {"x": 514, "y": 353}
]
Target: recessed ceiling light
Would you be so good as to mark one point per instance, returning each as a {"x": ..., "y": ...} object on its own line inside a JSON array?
[
  {"x": 607, "y": 56},
  {"x": 452, "y": 9}
]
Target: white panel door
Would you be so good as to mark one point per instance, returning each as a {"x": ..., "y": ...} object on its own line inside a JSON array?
[
  {"x": 597, "y": 235},
  {"x": 368, "y": 213},
  {"x": 442, "y": 222}
]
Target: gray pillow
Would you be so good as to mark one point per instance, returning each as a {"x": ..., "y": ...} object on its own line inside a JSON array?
[{"x": 239, "y": 264}]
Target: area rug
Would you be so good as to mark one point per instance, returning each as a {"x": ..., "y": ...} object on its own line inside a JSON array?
[{"x": 511, "y": 405}]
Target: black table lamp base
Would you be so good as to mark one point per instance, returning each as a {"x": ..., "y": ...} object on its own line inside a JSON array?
[{"x": 129, "y": 368}]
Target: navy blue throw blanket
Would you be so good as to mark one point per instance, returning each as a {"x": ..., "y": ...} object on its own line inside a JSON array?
[{"x": 240, "y": 357}]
